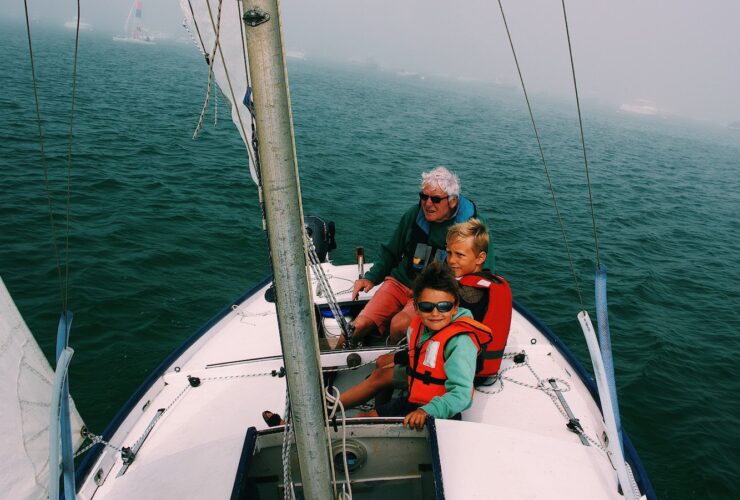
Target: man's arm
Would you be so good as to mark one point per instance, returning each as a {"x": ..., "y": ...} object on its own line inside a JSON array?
[{"x": 391, "y": 253}]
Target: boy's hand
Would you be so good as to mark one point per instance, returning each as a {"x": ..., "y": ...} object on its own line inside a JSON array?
[{"x": 415, "y": 419}]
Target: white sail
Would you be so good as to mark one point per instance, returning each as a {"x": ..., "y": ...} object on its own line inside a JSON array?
[
  {"x": 25, "y": 392},
  {"x": 229, "y": 58}
]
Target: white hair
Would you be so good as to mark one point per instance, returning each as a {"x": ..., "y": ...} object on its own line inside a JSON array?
[{"x": 440, "y": 177}]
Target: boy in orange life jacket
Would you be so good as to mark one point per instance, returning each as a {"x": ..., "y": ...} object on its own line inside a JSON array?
[
  {"x": 467, "y": 247},
  {"x": 444, "y": 342}
]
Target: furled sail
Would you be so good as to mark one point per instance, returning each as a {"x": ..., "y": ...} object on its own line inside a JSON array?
[
  {"x": 216, "y": 28},
  {"x": 26, "y": 381}
]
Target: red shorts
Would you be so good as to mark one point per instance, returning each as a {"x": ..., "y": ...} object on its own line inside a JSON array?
[{"x": 391, "y": 298}]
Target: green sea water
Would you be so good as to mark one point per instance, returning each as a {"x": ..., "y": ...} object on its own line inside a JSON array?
[{"x": 164, "y": 231}]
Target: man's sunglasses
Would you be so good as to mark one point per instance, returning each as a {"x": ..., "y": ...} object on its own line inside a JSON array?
[
  {"x": 427, "y": 307},
  {"x": 435, "y": 199}
]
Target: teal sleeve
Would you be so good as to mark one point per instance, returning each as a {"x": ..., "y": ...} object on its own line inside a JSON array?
[
  {"x": 392, "y": 252},
  {"x": 460, "y": 360}
]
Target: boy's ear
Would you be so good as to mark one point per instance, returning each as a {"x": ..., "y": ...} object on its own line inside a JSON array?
[{"x": 481, "y": 258}]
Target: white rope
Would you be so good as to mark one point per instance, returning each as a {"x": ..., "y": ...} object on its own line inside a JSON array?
[
  {"x": 215, "y": 105},
  {"x": 541, "y": 386},
  {"x": 332, "y": 398},
  {"x": 288, "y": 489}
]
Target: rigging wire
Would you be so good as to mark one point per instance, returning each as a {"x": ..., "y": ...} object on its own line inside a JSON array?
[
  {"x": 583, "y": 141},
  {"x": 69, "y": 161},
  {"x": 195, "y": 23},
  {"x": 244, "y": 43},
  {"x": 50, "y": 200},
  {"x": 544, "y": 163}
]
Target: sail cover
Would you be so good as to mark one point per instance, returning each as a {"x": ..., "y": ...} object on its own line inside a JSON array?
[
  {"x": 26, "y": 381},
  {"x": 204, "y": 19}
]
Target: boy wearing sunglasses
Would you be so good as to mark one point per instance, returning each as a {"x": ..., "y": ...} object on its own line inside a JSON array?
[
  {"x": 444, "y": 343},
  {"x": 419, "y": 239}
]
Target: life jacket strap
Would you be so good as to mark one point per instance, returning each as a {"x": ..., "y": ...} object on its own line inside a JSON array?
[
  {"x": 425, "y": 378},
  {"x": 491, "y": 354}
]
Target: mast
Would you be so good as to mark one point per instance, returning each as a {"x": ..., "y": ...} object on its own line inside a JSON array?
[{"x": 284, "y": 216}]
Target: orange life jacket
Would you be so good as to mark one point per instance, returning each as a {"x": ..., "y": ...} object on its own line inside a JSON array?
[
  {"x": 497, "y": 318},
  {"x": 426, "y": 369}
]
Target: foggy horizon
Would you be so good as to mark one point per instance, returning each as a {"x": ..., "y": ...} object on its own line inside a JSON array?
[{"x": 679, "y": 56}]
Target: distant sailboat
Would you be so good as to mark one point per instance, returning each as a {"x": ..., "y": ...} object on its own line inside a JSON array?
[
  {"x": 72, "y": 24},
  {"x": 134, "y": 30},
  {"x": 640, "y": 107}
]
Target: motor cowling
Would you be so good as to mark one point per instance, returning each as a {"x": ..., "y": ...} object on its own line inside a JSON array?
[{"x": 321, "y": 233}]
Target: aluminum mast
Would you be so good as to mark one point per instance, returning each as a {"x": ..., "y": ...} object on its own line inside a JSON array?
[{"x": 284, "y": 214}]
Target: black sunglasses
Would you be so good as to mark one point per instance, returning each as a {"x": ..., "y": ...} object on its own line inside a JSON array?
[
  {"x": 435, "y": 199},
  {"x": 443, "y": 307}
]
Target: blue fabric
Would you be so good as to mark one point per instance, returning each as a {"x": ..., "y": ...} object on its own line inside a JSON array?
[{"x": 605, "y": 345}]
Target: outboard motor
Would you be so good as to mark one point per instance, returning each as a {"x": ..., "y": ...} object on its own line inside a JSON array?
[{"x": 322, "y": 234}]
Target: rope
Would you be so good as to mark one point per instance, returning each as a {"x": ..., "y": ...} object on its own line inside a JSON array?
[
  {"x": 583, "y": 141},
  {"x": 250, "y": 154},
  {"x": 215, "y": 105},
  {"x": 94, "y": 439},
  {"x": 541, "y": 386},
  {"x": 544, "y": 163},
  {"x": 332, "y": 398},
  {"x": 217, "y": 31},
  {"x": 288, "y": 488}
]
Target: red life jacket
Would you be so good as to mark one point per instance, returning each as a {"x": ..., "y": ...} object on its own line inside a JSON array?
[
  {"x": 426, "y": 369},
  {"x": 497, "y": 318}
]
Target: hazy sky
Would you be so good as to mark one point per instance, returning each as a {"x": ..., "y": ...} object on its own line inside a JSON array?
[{"x": 683, "y": 55}]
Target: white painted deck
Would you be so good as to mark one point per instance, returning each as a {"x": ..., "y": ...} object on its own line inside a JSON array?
[{"x": 513, "y": 444}]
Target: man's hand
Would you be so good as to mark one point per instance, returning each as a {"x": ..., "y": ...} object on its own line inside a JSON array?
[
  {"x": 415, "y": 419},
  {"x": 361, "y": 284}
]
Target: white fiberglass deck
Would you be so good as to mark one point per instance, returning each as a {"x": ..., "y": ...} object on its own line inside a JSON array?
[{"x": 514, "y": 442}]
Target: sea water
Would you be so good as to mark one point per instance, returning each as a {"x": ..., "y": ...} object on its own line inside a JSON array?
[{"x": 155, "y": 232}]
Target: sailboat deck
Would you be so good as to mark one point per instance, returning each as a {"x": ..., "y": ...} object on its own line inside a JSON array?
[{"x": 509, "y": 440}]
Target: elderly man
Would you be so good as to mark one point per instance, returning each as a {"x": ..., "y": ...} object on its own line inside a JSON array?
[{"x": 418, "y": 239}]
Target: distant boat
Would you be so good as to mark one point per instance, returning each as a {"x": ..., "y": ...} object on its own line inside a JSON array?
[
  {"x": 73, "y": 25},
  {"x": 734, "y": 125},
  {"x": 640, "y": 107},
  {"x": 295, "y": 54},
  {"x": 134, "y": 31}
]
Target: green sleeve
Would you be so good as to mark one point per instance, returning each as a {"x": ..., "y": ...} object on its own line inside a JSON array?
[
  {"x": 392, "y": 252},
  {"x": 460, "y": 360}
]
